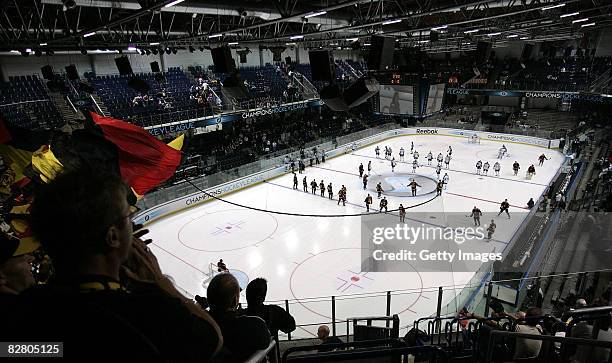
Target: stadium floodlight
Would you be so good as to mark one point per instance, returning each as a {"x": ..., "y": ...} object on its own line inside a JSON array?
[
  {"x": 315, "y": 14},
  {"x": 554, "y": 6},
  {"x": 173, "y": 3},
  {"x": 388, "y": 22},
  {"x": 580, "y": 20},
  {"x": 570, "y": 14}
]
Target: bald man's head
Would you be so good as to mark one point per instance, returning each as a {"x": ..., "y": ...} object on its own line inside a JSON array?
[
  {"x": 323, "y": 332},
  {"x": 223, "y": 292}
]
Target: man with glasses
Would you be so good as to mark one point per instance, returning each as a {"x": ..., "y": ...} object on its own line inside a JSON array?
[{"x": 109, "y": 296}]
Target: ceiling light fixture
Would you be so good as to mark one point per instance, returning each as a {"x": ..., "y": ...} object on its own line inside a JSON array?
[
  {"x": 296, "y": 37},
  {"x": 388, "y": 22},
  {"x": 89, "y": 34},
  {"x": 553, "y": 7},
  {"x": 215, "y": 35},
  {"x": 585, "y": 25},
  {"x": 315, "y": 14},
  {"x": 439, "y": 27},
  {"x": 580, "y": 20},
  {"x": 173, "y": 3},
  {"x": 570, "y": 14}
]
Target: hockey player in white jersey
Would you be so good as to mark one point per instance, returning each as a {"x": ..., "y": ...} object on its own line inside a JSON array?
[
  {"x": 445, "y": 180},
  {"x": 478, "y": 167},
  {"x": 440, "y": 158},
  {"x": 429, "y": 158},
  {"x": 447, "y": 160},
  {"x": 497, "y": 168},
  {"x": 485, "y": 167}
]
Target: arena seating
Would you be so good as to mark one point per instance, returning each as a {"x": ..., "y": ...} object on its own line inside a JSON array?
[
  {"x": 165, "y": 97},
  {"x": 24, "y": 102}
]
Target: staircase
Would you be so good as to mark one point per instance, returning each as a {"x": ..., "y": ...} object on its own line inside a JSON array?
[
  {"x": 224, "y": 99},
  {"x": 69, "y": 114},
  {"x": 101, "y": 107},
  {"x": 602, "y": 82}
]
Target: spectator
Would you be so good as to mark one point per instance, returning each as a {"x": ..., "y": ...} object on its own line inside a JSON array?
[
  {"x": 243, "y": 335},
  {"x": 530, "y": 203},
  {"x": 323, "y": 335},
  {"x": 528, "y": 348},
  {"x": 589, "y": 354},
  {"x": 82, "y": 219},
  {"x": 276, "y": 318},
  {"x": 15, "y": 267}
]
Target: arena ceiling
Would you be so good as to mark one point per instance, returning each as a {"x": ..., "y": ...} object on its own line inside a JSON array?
[{"x": 55, "y": 25}]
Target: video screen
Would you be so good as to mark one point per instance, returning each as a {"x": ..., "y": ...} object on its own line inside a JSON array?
[
  {"x": 434, "y": 98},
  {"x": 397, "y": 100}
]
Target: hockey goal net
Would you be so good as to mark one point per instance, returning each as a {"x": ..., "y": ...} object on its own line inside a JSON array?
[{"x": 474, "y": 139}]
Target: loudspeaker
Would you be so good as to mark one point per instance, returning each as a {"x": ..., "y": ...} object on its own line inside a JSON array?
[
  {"x": 71, "y": 72},
  {"x": 332, "y": 97},
  {"x": 322, "y": 65},
  {"x": 47, "y": 72},
  {"x": 527, "y": 49},
  {"x": 243, "y": 58},
  {"x": 155, "y": 67},
  {"x": 138, "y": 84},
  {"x": 234, "y": 86},
  {"x": 568, "y": 51},
  {"x": 552, "y": 51},
  {"x": 287, "y": 60},
  {"x": 434, "y": 36},
  {"x": 381, "y": 52},
  {"x": 123, "y": 65},
  {"x": 85, "y": 87},
  {"x": 222, "y": 59},
  {"x": 483, "y": 51},
  {"x": 360, "y": 91}
]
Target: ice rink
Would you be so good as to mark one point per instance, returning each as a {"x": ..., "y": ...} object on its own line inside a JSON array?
[{"x": 306, "y": 260}]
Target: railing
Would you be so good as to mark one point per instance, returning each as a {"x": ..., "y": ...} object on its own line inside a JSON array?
[{"x": 434, "y": 122}]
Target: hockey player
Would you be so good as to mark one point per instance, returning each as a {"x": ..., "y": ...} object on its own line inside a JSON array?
[
  {"x": 439, "y": 187},
  {"x": 377, "y": 151},
  {"x": 402, "y": 213},
  {"x": 295, "y": 181},
  {"x": 497, "y": 168},
  {"x": 516, "y": 167},
  {"x": 330, "y": 191},
  {"x": 447, "y": 160},
  {"x": 401, "y": 154},
  {"x": 415, "y": 165},
  {"x": 503, "y": 207},
  {"x": 530, "y": 203},
  {"x": 450, "y": 150},
  {"x": 415, "y": 155},
  {"x": 365, "y": 181},
  {"x": 491, "y": 229},
  {"x": 361, "y": 170},
  {"x": 476, "y": 214},
  {"x": 383, "y": 204},
  {"x": 542, "y": 158},
  {"x": 440, "y": 158},
  {"x": 300, "y": 166},
  {"x": 305, "y": 185},
  {"x": 478, "y": 167},
  {"x": 445, "y": 179},
  {"x": 485, "y": 167},
  {"x": 367, "y": 202},
  {"x": 429, "y": 158},
  {"x": 342, "y": 196},
  {"x": 531, "y": 171},
  {"x": 411, "y": 147},
  {"x": 313, "y": 186},
  {"x": 502, "y": 152},
  {"x": 322, "y": 188},
  {"x": 393, "y": 163},
  {"x": 369, "y": 166},
  {"x": 293, "y": 166},
  {"x": 379, "y": 189},
  {"x": 438, "y": 170},
  {"x": 413, "y": 185},
  {"x": 322, "y": 155}
]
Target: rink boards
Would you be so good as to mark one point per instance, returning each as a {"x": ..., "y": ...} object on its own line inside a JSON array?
[{"x": 179, "y": 204}]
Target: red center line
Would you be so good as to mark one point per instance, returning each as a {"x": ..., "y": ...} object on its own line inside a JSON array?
[{"x": 484, "y": 200}]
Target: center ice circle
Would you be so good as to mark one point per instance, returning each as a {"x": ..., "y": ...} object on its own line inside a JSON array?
[
  {"x": 397, "y": 184},
  {"x": 227, "y": 230}
]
